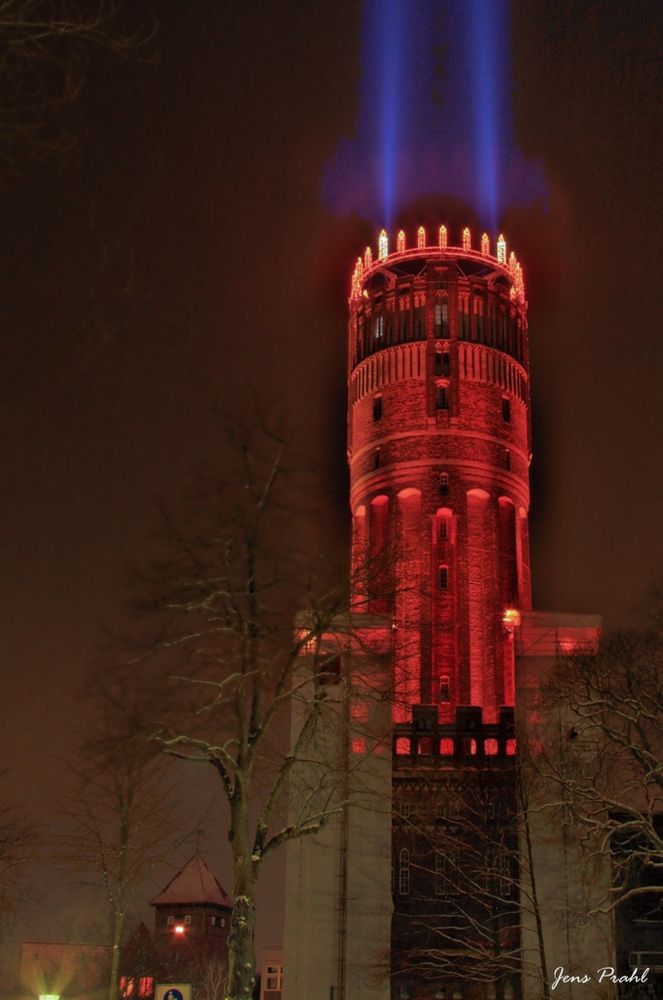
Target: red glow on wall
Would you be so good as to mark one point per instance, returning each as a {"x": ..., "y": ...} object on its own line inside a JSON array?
[{"x": 440, "y": 481}]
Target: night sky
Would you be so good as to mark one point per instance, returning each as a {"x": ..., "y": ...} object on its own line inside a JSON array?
[{"x": 183, "y": 252}]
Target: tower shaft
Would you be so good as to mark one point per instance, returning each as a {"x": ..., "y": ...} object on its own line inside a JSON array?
[{"x": 439, "y": 449}]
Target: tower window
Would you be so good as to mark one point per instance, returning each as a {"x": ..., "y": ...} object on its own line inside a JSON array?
[
  {"x": 377, "y": 407},
  {"x": 506, "y": 409},
  {"x": 378, "y": 328},
  {"x": 187, "y": 919},
  {"x": 170, "y": 920},
  {"x": 443, "y": 577},
  {"x": 507, "y": 459},
  {"x": 445, "y": 692},
  {"x": 442, "y": 397},
  {"x": 404, "y": 872},
  {"x": 444, "y": 484},
  {"x": 442, "y": 531},
  {"x": 441, "y": 362},
  {"x": 376, "y": 458}
]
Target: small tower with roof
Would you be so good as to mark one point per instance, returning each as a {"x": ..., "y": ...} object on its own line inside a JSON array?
[{"x": 193, "y": 912}]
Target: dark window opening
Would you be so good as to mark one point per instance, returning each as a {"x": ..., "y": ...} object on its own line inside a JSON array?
[
  {"x": 445, "y": 689},
  {"x": 442, "y": 397},
  {"x": 327, "y": 669},
  {"x": 442, "y": 363},
  {"x": 507, "y": 460},
  {"x": 444, "y": 484},
  {"x": 377, "y": 407},
  {"x": 443, "y": 577},
  {"x": 506, "y": 410},
  {"x": 442, "y": 533},
  {"x": 376, "y": 458}
]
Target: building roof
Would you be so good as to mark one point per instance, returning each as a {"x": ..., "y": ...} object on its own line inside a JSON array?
[{"x": 195, "y": 883}]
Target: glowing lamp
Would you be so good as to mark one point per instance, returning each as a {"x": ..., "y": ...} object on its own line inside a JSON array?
[
  {"x": 383, "y": 244},
  {"x": 49, "y": 996},
  {"x": 356, "y": 279},
  {"x": 368, "y": 257},
  {"x": 467, "y": 239},
  {"x": 501, "y": 249},
  {"x": 178, "y": 929},
  {"x": 421, "y": 238},
  {"x": 485, "y": 244},
  {"x": 400, "y": 242},
  {"x": 511, "y": 617},
  {"x": 443, "y": 237}
]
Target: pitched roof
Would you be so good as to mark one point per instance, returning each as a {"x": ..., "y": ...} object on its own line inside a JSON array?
[{"x": 195, "y": 883}]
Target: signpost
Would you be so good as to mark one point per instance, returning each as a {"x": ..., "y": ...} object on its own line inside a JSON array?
[{"x": 173, "y": 991}]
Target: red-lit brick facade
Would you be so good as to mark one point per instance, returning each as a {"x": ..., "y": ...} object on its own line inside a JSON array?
[
  {"x": 419, "y": 887},
  {"x": 439, "y": 448}
]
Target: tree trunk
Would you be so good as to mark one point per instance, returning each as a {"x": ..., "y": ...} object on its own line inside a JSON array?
[
  {"x": 118, "y": 922},
  {"x": 241, "y": 961}
]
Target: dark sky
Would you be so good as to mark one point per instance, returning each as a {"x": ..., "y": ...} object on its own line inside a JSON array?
[{"x": 182, "y": 252}]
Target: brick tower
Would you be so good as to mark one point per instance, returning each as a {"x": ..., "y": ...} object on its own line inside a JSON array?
[
  {"x": 419, "y": 886},
  {"x": 439, "y": 449}
]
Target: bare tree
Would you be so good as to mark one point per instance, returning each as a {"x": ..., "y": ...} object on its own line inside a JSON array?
[
  {"x": 607, "y": 762},
  {"x": 224, "y": 598},
  {"x": 20, "y": 839},
  {"x": 457, "y": 879},
  {"x": 45, "y": 49},
  {"x": 122, "y": 814}
]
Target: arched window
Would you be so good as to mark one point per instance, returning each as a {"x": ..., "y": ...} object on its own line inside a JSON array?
[
  {"x": 445, "y": 688},
  {"x": 443, "y": 577},
  {"x": 404, "y": 872},
  {"x": 444, "y": 484}
]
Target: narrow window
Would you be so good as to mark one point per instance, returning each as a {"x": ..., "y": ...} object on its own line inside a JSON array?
[
  {"x": 170, "y": 920},
  {"x": 404, "y": 872},
  {"x": 187, "y": 919},
  {"x": 506, "y": 409},
  {"x": 378, "y": 328},
  {"x": 377, "y": 407},
  {"x": 445, "y": 320},
  {"x": 442, "y": 397},
  {"x": 376, "y": 458},
  {"x": 438, "y": 318},
  {"x": 445, "y": 693},
  {"x": 507, "y": 459},
  {"x": 442, "y": 533},
  {"x": 443, "y": 577},
  {"x": 442, "y": 362},
  {"x": 444, "y": 484}
]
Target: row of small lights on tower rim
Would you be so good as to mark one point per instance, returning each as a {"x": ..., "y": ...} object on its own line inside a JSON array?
[{"x": 364, "y": 263}]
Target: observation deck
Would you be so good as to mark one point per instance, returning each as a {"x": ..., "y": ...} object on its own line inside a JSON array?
[{"x": 480, "y": 263}]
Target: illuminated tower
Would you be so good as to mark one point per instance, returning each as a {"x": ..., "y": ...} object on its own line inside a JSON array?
[
  {"x": 439, "y": 450},
  {"x": 441, "y": 652}
]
